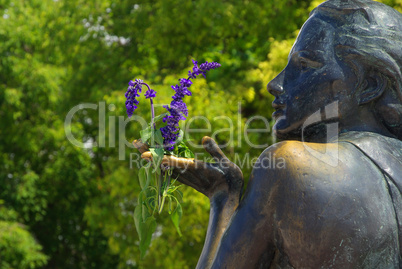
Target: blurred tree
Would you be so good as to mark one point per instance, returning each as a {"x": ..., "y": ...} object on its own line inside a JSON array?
[
  {"x": 46, "y": 181},
  {"x": 18, "y": 248},
  {"x": 65, "y": 206}
]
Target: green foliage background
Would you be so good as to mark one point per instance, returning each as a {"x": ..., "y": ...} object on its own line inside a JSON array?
[{"x": 63, "y": 206}]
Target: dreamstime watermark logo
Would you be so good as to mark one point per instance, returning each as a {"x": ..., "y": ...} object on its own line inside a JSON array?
[{"x": 235, "y": 132}]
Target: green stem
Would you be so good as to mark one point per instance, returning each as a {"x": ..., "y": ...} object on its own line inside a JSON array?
[
  {"x": 163, "y": 202},
  {"x": 160, "y": 181},
  {"x": 165, "y": 190},
  {"x": 152, "y": 113}
]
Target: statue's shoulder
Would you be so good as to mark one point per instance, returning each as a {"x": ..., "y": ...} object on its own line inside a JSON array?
[
  {"x": 298, "y": 154},
  {"x": 313, "y": 162},
  {"x": 385, "y": 152}
]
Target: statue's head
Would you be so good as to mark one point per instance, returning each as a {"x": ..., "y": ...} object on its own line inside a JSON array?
[{"x": 348, "y": 55}]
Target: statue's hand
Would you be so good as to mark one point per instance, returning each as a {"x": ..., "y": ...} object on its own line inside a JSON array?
[{"x": 220, "y": 177}]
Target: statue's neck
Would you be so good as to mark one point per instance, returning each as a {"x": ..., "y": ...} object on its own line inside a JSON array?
[{"x": 363, "y": 121}]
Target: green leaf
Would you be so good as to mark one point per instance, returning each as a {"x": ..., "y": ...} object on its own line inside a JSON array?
[
  {"x": 181, "y": 145},
  {"x": 149, "y": 174},
  {"x": 146, "y": 134},
  {"x": 145, "y": 212},
  {"x": 157, "y": 156},
  {"x": 138, "y": 218},
  {"x": 170, "y": 205},
  {"x": 147, "y": 228},
  {"x": 176, "y": 217},
  {"x": 160, "y": 125},
  {"x": 188, "y": 153},
  {"x": 180, "y": 138},
  {"x": 184, "y": 151},
  {"x": 160, "y": 152},
  {"x": 142, "y": 177},
  {"x": 179, "y": 196},
  {"x": 158, "y": 137},
  {"x": 151, "y": 202},
  {"x": 160, "y": 117},
  {"x": 145, "y": 198}
]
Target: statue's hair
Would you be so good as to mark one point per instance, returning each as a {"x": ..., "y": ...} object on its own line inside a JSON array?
[{"x": 369, "y": 39}]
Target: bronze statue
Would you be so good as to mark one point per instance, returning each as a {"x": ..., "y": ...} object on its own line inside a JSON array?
[{"x": 314, "y": 213}]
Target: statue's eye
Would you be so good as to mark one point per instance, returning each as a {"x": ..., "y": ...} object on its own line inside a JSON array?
[{"x": 303, "y": 65}]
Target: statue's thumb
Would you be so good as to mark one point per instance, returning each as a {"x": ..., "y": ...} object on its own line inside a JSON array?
[
  {"x": 212, "y": 148},
  {"x": 140, "y": 146}
]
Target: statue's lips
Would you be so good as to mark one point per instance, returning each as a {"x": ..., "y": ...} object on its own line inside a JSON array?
[
  {"x": 278, "y": 113},
  {"x": 279, "y": 106}
]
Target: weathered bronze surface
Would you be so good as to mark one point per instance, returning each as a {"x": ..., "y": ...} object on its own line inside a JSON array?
[{"x": 338, "y": 202}]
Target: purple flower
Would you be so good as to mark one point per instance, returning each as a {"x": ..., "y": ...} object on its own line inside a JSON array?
[
  {"x": 178, "y": 109},
  {"x": 133, "y": 90},
  {"x": 202, "y": 69},
  {"x": 150, "y": 93},
  {"x": 185, "y": 82}
]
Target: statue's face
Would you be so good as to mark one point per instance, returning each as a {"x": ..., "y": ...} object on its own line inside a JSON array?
[{"x": 313, "y": 79}]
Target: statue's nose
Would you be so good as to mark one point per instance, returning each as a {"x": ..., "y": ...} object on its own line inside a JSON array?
[{"x": 275, "y": 86}]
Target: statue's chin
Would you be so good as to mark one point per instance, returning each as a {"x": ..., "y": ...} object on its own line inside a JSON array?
[
  {"x": 313, "y": 133},
  {"x": 286, "y": 134},
  {"x": 285, "y": 130}
]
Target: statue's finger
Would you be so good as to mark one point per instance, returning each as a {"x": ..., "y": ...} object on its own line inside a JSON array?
[
  {"x": 172, "y": 161},
  {"x": 140, "y": 146},
  {"x": 212, "y": 148}
]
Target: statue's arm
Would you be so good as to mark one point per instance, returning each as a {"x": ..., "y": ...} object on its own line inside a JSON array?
[
  {"x": 248, "y": 238},
  {"x": 247, "y": 241},
  {"x": 240, "y": 236}
]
